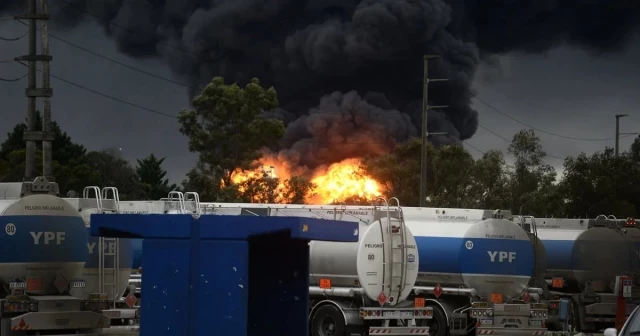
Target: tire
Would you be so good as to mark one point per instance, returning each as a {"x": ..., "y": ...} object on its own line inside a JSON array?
[
  {"x": 438, "y": 324},
  {"x": 328, "y": 321}
]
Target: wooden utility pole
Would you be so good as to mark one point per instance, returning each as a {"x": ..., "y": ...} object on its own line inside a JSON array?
[
  {"x": 425, "y": 131},
  {"x": 32, "y": 92}
]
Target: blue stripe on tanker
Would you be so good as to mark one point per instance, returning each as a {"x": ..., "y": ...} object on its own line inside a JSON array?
[
  {"x": 451, "y": 255},
  {"x": 43, "y": 239},
  {"x": 125, "y": 253},
  {"x": 559, "y": 254}
]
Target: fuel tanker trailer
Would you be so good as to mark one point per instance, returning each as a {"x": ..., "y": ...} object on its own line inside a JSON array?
[
  {"x": 355, "y": 288},
  {"x": 584, "y": 256},
  {"x": 44, "y": 249},
  {"x": 475, "y": 274}
]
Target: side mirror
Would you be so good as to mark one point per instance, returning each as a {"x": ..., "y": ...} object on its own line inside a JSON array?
[{"x": 610, "y": 332}]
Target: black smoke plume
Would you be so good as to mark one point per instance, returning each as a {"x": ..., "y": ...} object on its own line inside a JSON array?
[{"x": 350, "y": 71}]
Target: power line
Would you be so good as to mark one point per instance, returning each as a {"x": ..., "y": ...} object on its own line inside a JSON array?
[
  {"x": 80, "y": 86},
  {"x": 12, "y": 79},
  {"x": 533, "y": 127},
  {"x": 14, "y": 38},
  {"x": 130, "y": 67}
]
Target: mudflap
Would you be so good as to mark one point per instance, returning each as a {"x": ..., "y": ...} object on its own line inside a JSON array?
[
  {"x": 398, "y": 331},
  {"x": 69, "y": 320}
]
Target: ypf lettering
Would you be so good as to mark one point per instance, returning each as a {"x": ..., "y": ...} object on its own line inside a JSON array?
[
  {"x": 108, "y": 248},
  {"x": 46, "y": 237},
  {"x": 502, "y": 255}
]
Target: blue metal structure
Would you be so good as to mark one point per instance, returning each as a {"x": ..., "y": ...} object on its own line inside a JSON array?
[{"x": 232, "y": 274}]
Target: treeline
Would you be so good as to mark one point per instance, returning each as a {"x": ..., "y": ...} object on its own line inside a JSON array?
[
  {"x": 75, "y": 167},
  {"x": 228, "y": 128}
]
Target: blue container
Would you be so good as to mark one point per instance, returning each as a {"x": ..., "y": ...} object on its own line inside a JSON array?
[{"x": 236, "y": 273}]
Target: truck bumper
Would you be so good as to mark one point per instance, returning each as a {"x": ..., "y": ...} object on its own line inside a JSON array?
[
  {"x": 512, "y": 331},
  {"x": 69, "y": 320},
  {"x": 398, "y": 331}
]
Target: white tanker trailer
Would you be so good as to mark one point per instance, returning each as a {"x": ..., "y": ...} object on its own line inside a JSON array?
[
  {"x": 473, "y": 269},
  {"x": 44, "y": 249},
  {"x": 584, "y": 256}
]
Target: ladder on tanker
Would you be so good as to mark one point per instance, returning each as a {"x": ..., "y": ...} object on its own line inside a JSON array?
[
  {"x": 395, "y": 246},
  {"x": 182, "y": 203},
  {"x": 107, "y": 201}
]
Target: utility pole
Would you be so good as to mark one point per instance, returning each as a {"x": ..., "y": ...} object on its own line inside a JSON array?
[
  {"x": 47, "y": 134},
  {"x": 32, "y": 92},
  {"x": 425, "y": 130},
  {"x": 618, "y": 134}
]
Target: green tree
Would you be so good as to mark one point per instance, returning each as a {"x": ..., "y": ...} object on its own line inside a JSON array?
[
  {"x": 399, "y": 171},
  {"x": 601, "y": 184},
  {"x": 153, "y": 182},
  {"x": 113, "y": 171},
  {"x": 490, "y": 182},
  {"x": 532, "y": 181},
  {"x": 227, "y": 129},
  {"x": 64, "y": 149},
  {"x": 70, "y": 168},
  {"x": 452, "y": 178}
]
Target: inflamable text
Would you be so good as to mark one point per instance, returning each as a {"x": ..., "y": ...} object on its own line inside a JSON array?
[
  {"x": 502, "y": 256},
  {"x": 47, "y": 237},
  {"x": 44, "y": 208}
]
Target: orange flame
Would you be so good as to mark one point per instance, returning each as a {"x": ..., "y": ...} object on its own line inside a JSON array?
[{"x": 334, "y": 182}]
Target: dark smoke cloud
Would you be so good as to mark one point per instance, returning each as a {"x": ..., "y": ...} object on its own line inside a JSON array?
[{"x": 343, "y": 50}]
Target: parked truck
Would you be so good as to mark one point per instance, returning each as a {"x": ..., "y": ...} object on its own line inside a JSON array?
[
  {"x": 474, "y": 270},
  {"x": 44, "y": 252},
  {"x": 584, "y": 256}
]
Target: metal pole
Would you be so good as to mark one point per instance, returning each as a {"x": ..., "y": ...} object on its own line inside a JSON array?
[
  {"x": 618, "y": 116},
  {"x": 47, "y": 150},
  {"x": 30, "y": 160},
  {"x": 425, "y": 130},
  {"x": 425, "y": 135}
]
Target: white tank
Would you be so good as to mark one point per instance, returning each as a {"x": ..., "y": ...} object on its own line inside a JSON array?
[
  {"x": 492, "y": 256},
  {"x": 353, "y": 265},
  {"x": 43, "y": 236}
]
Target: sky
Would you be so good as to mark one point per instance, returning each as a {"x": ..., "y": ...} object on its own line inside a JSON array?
[{"x": 566, "y": 91}]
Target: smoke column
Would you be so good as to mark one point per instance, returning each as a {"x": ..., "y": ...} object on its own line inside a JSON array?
[{"x": 349, "y": 72}]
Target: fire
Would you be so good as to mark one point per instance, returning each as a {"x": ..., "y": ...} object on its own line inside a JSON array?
[{"x": 334, "y": 182}]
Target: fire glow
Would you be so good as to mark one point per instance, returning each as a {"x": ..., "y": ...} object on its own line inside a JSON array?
[{"x": 334, "y": 182}]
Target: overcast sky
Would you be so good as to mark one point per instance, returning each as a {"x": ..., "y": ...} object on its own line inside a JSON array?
[{"x": 567, "y": 92}]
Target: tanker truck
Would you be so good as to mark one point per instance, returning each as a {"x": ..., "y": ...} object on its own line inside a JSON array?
[
  {"x": 108, "y": 267},
  {"x": 474, "y": 266},
  {"x": 44, "y": 252},
  {"x": 584, "y": 256},
  {"x": 475, "y": 272}
]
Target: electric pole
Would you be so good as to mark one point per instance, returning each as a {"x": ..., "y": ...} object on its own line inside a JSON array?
[
  {"x": 618, "y": 134},
  {"x": 425, "y": 130},
  {"x": 32, "y": 92}
]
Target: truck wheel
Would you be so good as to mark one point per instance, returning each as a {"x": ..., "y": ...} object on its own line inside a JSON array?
[
  {"x": 437, "y": 325},
  {"x": 328, "y": 321}
]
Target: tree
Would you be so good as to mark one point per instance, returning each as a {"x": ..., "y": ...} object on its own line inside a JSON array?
[
  {"x": 451, "y": 186},
  {"x": 152, "y": 179},
  {"x": 601, "y": 184},
  {"x": 227, "y": 129},
  {"x": 532, "y": 181},
  {"x": 399, "y": 171},
  {"x": 70, "y": 170},
  {"x": 113, "y": 171},
  {"x": 64, "y": 150},
  {"x": 490, "y": 182}
]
